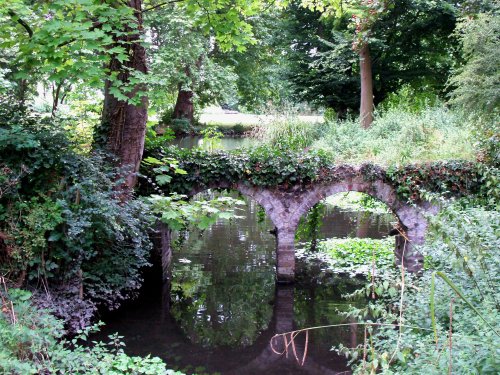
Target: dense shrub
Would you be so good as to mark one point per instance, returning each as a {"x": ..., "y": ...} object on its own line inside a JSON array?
[
  {"x": 287, "y": 132},
  {"x": 63, "y": 224},
  {"x": 401, "y": 135},
  {"x": 448, "y": 325},
  {"x": 31, "y": 343}
]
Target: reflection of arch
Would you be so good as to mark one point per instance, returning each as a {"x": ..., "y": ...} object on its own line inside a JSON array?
[
  {"x": 286, "y": 206},
  {"x": 259, "y": 357},
  {"x": 268, "y": 359}
]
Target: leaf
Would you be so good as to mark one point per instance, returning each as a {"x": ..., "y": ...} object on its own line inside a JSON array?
[
  {"x": 151, "y": 160},
  {"x": 180, "y": 171},
  {"x": 163, "y": 179}
]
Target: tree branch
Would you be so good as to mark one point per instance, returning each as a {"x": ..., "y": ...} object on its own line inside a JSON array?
[
  {"x": 21, "y": 22},
  {"x": 161, "y": 5}
]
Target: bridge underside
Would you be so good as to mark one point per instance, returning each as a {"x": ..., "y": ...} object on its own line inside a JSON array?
[{"x": 286, "y": 207}]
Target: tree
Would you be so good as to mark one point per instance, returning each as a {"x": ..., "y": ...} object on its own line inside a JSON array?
[
  {"x": 365, "y": 14},
  {"x": 185, "y": 68},
  {"x": 322, "y": 65},
  {"x": 57, "y": 41},
  {"x": 476, "y": 83},
  {"x": 125, "y": 109},
  {"x": 126, "y": 115},
  {"x": 262, "y": 70},
  {"x": 92, "y": 41},
  {"x": 411, "y": 43}
]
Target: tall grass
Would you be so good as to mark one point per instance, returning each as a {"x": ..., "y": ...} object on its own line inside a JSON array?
[
  {"x": 288, "y": 132},
  {"x": 399, "y": 136}
]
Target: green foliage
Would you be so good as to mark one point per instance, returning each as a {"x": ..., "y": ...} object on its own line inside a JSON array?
[
  {"x": 444, "y": 328},
  {"x": 180, "y": 126},
  {"x": 410, "y": 99},
  {"x": 211, "y": 138},
  {"x": 355, "y": 256},
  {"x": 62, "y": 41},
  {"x": 476, "y": 83},
  {"x": 288, "y": 133},
  {"x": 155, "y": 140},
  {"x": 411, "y": 43},
  {"x": 309, "y": 225},
  {"x": 453, "y": 178},
  {"x": 181, "y": 56},
  {"x": 179, "y": 214},
  {"x": 174, "y": 209},
  {"x": 63, "y": 224},
  {"x": 261, "y": 166},
  {"x": 263, "y": 67},
  {"x": 31, "y": 342},
  {"x": 264, "y": 166},
  {"x": 399, "y": 135},
  {"x": 354, "y": 201}
]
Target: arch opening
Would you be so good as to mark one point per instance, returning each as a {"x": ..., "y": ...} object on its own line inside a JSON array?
[
  {"x": 222, "y": 278},
  {"x": 412, "y": 222},
  {"x": 346, "y": 230}
]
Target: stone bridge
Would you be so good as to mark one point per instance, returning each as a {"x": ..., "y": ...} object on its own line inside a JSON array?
[
  {"x": 286, "y": 205},
  {"x": 288, "y": 185}
]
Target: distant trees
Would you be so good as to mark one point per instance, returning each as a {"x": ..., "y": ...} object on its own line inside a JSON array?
[
  {"x": 476, "y": 86},
  {"x": 402, "y": 41}
]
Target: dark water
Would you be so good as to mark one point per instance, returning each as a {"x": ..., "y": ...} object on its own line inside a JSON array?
[{"x": 222, "y": 307}]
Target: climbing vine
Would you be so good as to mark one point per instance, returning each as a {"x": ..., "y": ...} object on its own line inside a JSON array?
[{"x": 292, "y": 170}]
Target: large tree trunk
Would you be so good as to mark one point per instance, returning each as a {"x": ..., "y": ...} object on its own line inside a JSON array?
[
  {"x": 366, "y": 108},
  {"x": 184, "y": 108},
  {"x": 126, "y": 123}
]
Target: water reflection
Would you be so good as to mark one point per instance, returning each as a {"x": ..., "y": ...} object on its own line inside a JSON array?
[
  {"x": 226, "y": 143},
  {"x": 220, "y": 306}
]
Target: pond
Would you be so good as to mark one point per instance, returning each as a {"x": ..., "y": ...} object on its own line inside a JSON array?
[
  {"x": 221, "y": 306},
  {"x": 226, "y": 143}
]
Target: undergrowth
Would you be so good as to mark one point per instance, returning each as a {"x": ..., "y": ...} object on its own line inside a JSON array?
[
  {"x": 32, "y": 342},
  {"x": 444, "y": 321},
  {"x": 400, "y": 136}
]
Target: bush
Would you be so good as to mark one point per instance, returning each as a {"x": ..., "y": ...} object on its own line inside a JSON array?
[
  {"x": 410, "y": 100},
  {"x": 31, "y": 343},
  {"x": 400, "y": 136},
  {"x": 287, "y": 132},
  {"x": 63, "y": 223},
  {"x": 449, "y": 324},
  {"x": 180, "y": 126}
]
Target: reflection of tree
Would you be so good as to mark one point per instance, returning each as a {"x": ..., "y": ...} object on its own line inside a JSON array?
[
  {"x": 223, "y": 296},
  {"x": 233, "y": 311}
]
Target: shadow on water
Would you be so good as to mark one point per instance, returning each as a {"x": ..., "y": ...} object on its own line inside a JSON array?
[{"x": 221, "y": 307}]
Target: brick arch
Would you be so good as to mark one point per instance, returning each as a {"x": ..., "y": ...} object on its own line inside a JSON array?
[
  {"x": 411, "y": 217},
  {"x": 286, "y": 207}
]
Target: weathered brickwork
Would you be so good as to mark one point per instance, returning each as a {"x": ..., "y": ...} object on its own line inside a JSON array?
[{"x": 286, "y": 207}]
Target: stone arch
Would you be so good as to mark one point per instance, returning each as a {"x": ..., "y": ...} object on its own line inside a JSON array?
[
  {"x": 411, "y": 217},
  {"x": 276, "y": 209},
  {"x": 286, "y": 207},
  {"x": 272, "y": 205}
]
